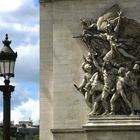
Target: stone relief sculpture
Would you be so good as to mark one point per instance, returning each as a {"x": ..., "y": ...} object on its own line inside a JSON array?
[{"x": 112, "y": 66}]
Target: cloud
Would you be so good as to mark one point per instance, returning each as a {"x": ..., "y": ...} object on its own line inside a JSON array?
[
  {"x": 27, "y": 65},
  {"x": 20, "y": 19},
  {"x": 23, "y": 92},
  {"x": 22, "y": 25},
  {"x": 28, "y": 109},
  {"x": 14, "y": 5},
  {"x": 10, "y": 5}
]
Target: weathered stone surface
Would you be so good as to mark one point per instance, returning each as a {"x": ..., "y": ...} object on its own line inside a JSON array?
[
  {"x": 119, "y": 122},
  {"x": 110, "y": 84},
  {"x": 61, "y": 106},
  {"x": 102, "y": 128}
]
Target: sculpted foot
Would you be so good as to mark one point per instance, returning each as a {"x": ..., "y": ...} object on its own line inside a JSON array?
[
  {"x": 105, "y": 113},
  {"x": 112, "y": 113},
  {"x": 132, "y": 114},
  {"x": 92, "y": 114}
]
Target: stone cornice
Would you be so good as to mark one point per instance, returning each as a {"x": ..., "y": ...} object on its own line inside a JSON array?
[{"x": 45, "y": 1}]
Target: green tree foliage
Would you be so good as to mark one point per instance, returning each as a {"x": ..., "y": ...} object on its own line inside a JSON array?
[
  {"x": 36, "y": 137},
  {"x": 13, "y": 138},
  {"x": 1, "y": 135}
]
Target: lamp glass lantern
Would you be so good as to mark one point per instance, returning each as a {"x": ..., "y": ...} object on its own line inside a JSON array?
[{"x": 7, "y": 60}]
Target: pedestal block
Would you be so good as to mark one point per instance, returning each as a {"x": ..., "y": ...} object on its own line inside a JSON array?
[
  {"x": 113, "y": 128},
  {"x": 103, "y": 128}
]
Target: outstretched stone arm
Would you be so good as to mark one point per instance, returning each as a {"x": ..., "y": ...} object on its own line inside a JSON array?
[
  {"x": 117, "y": 28},
  {"x": 82, "y": 85},
  {"x": 125, "y": 54}
]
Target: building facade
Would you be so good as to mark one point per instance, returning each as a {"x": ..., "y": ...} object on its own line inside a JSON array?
[{"x": 63, "y": 110}]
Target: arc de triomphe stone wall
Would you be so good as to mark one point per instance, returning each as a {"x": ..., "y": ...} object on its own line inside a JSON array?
[{"x": 63, "y": 110}]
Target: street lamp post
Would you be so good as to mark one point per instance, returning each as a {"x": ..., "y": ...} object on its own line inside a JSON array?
[{"x": 7, "y": 64}]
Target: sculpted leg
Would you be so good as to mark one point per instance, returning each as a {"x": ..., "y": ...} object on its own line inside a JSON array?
[
  {"x": 95, "y": 106},
  {"x": 104, "y": 100},
  {"x": 96, "y": 86},
  {"x": 87, "y": 97},
  {"x": 128, "y": 103},
  {"x": 112, "y": 103}
]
